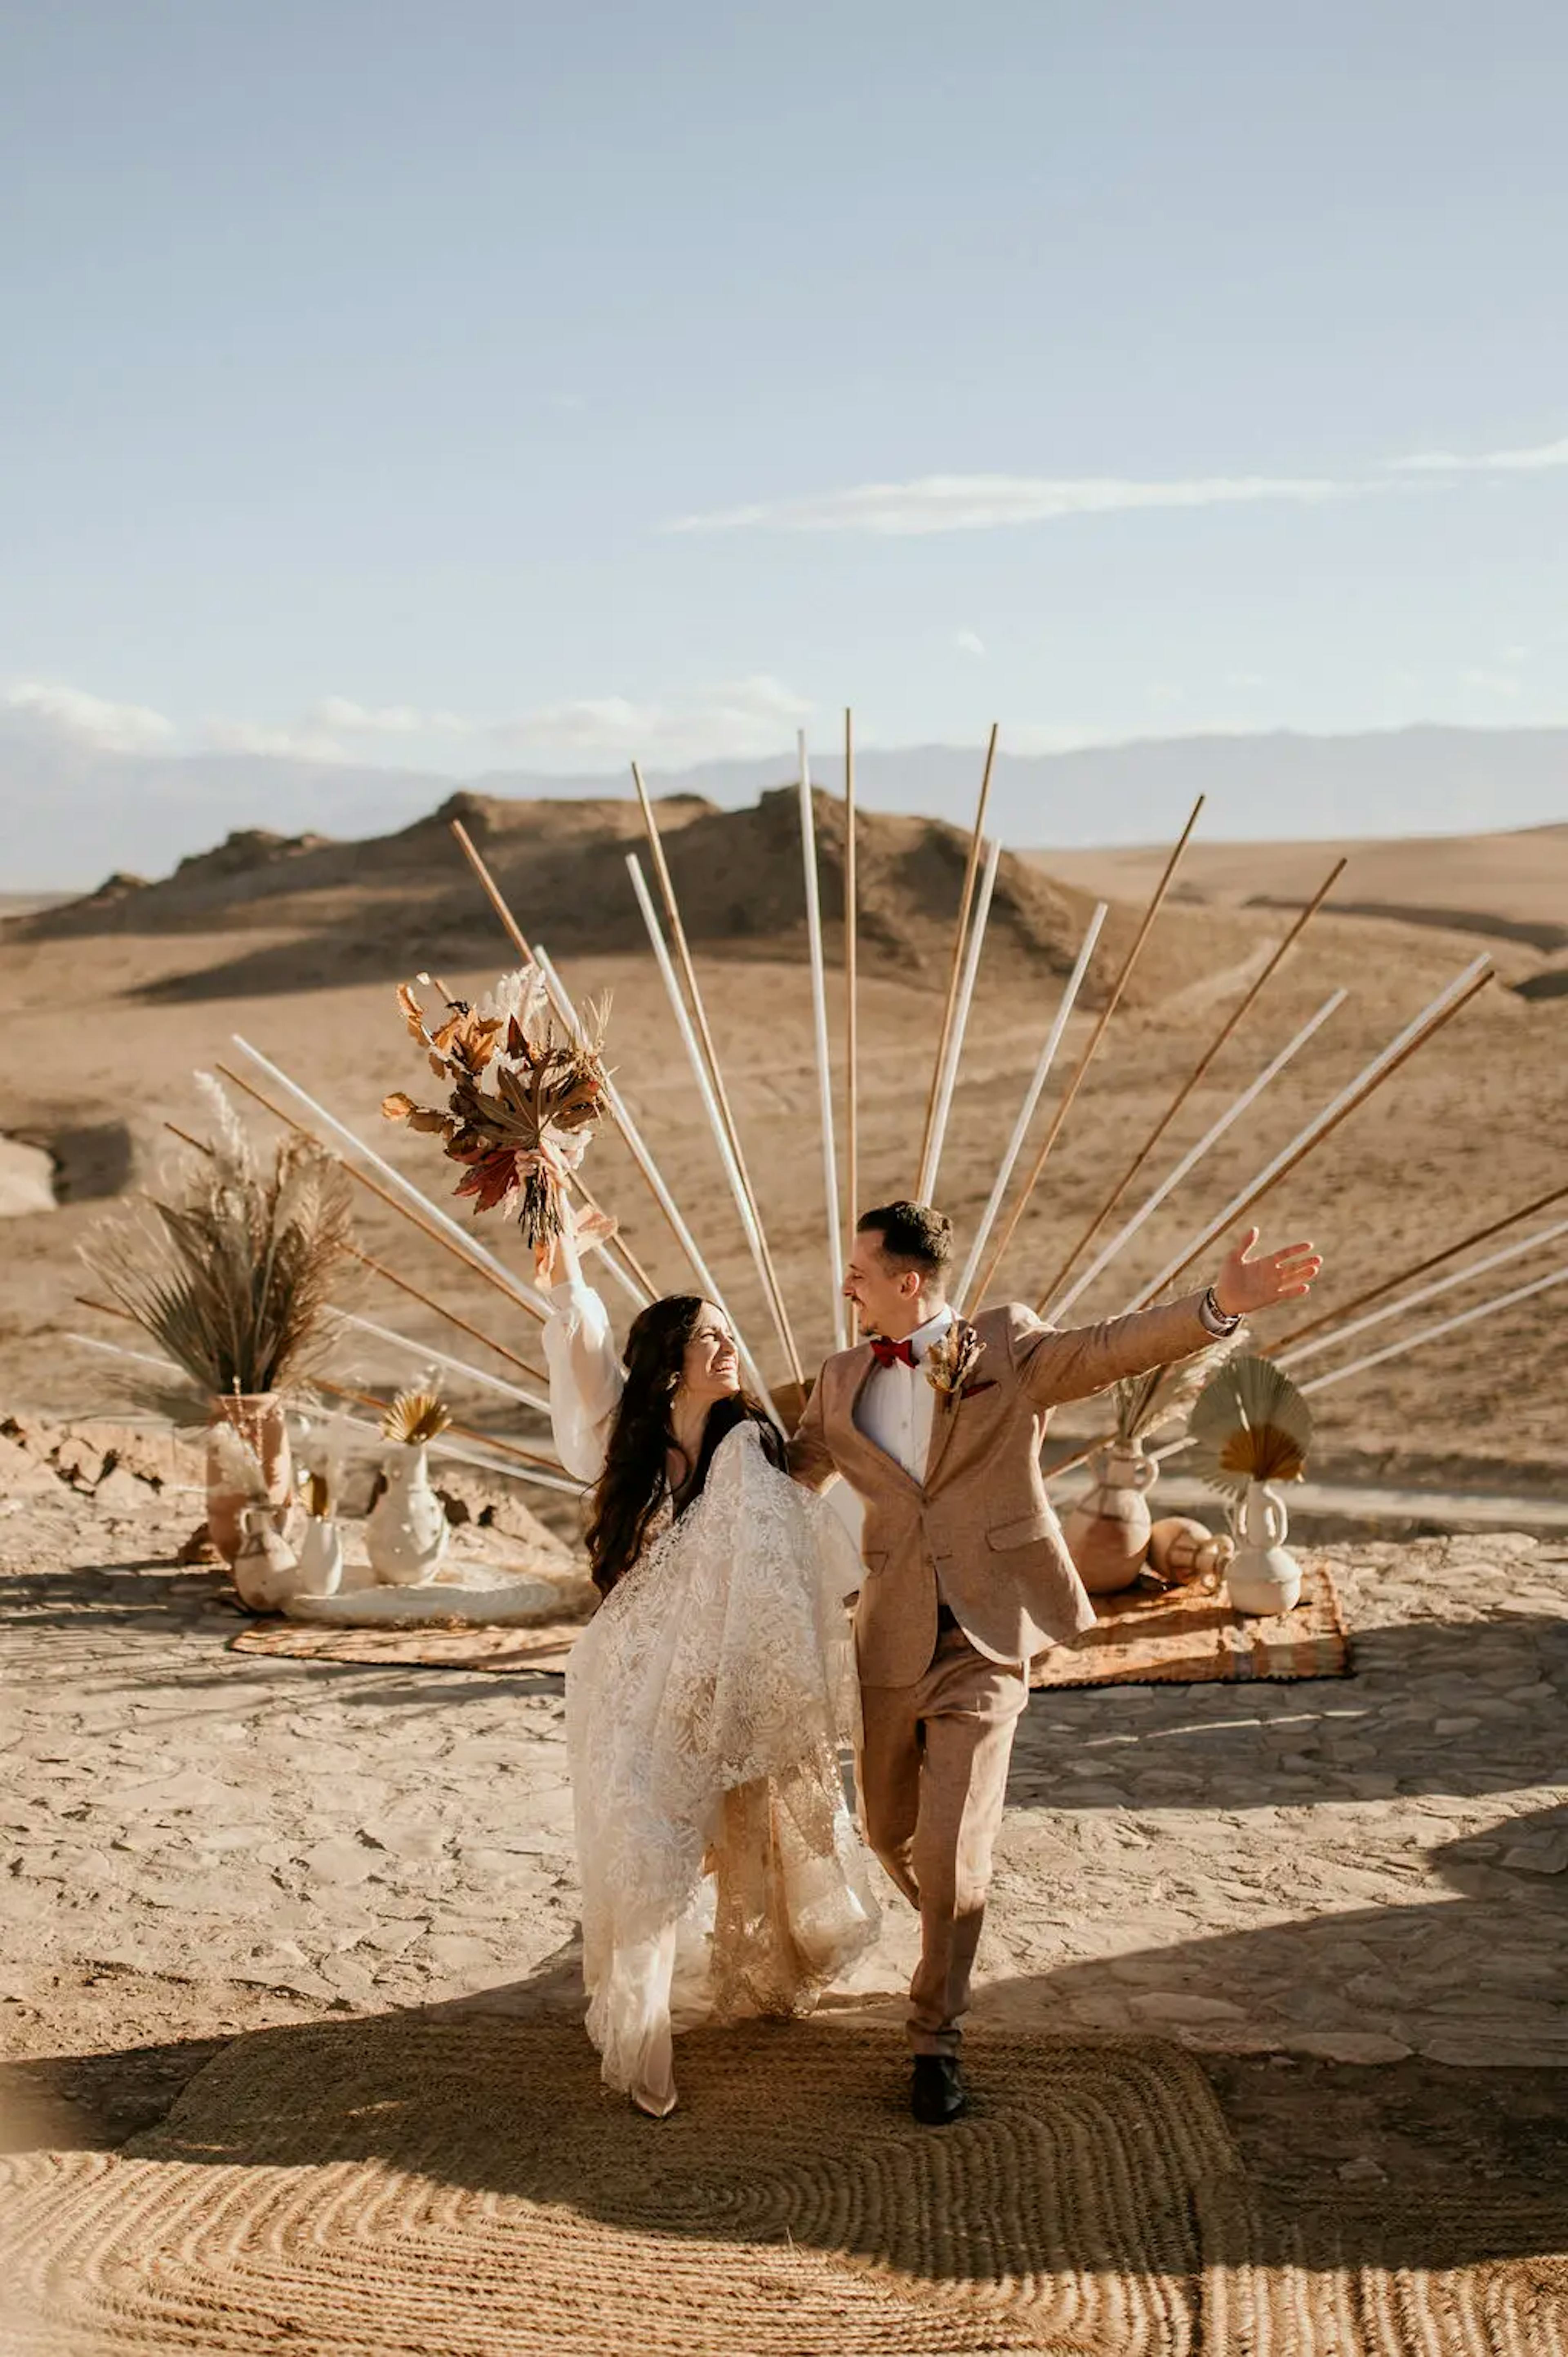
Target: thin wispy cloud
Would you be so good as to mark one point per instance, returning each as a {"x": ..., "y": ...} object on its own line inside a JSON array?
[
  {"x": 91, "y": 721},
  {"x": 757, "y": 715},
  {"x": 935, "y": 503},
  {"x": 969, "y": 642},
  {"x": 1529, "y": 461}
]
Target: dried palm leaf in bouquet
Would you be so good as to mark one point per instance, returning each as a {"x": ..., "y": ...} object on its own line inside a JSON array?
[
  {"x": 1146, "y": 1404},
  {"x": 418, "y": 1413},
  {"x": 233, "y": 1274},
  {"x": 1249, "y": 1423},
  {"x": 519, "y": 1140}
]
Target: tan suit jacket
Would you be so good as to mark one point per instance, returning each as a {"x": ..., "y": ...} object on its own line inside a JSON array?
[{"x": 980, "y": 1522}]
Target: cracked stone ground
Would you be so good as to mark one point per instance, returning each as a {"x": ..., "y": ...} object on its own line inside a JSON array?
[{"x": 1351, "y": 1895}]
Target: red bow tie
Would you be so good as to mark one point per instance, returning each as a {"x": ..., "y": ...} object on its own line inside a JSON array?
[{"x": 886, "y": 1353}]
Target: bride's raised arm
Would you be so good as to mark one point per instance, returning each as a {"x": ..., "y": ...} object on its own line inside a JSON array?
[{"x": 585, "y": 1374}]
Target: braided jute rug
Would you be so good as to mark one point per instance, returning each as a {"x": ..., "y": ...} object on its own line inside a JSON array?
[{"x": 462, "y": 2188}]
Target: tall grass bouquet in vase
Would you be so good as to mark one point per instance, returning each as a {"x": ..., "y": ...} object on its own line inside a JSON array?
[{"x": 232, "y": 1275}]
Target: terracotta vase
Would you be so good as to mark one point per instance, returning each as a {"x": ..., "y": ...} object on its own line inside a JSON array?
[
  {"x": 1107, "y": 1531},
  {"x": 405, "y": 1536},
  {"x": 1182, "y": 1550},
  {"x": 259, "y": 1418},
  {"x": 1264, "y": 1577}
]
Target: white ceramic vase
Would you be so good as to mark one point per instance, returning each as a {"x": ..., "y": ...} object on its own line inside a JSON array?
[
  {"x": 405, "y": 1536},
  {"x": 320, "y": 1558},
  {"x": 1264, "y": 1576},
  {"x": 266, "y": 1572}
]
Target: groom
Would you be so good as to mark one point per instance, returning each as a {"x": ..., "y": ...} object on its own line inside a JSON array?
[{"x": 937, "y": 1424}]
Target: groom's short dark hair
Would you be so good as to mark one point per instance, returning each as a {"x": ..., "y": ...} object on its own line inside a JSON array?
[{"x": 912, "y": 1235}]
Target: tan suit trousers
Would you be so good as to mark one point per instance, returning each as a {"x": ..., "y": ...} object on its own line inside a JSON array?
[{"x": 933, "y": 1779}]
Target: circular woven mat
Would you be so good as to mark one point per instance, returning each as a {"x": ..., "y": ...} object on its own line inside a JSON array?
[{"x": 464, "y": 2189}]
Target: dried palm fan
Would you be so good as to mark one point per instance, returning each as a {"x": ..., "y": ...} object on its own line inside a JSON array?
[
  {"x": 417, "y": 1414},
  {"x": 234, "y": 1277},
  {"x": 519, "y": 1142},
  {"x": 1145, "y": 1404},
  {"x": 1249, "y": 1423}
]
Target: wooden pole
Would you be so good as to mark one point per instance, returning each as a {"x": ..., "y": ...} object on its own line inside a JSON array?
[
  {"x": 520, "y": 942},
  {"x": 661, "y": 1195},
  {"x": 733, "y": 1168},
  {"x": 462, "y": 1431},
  {"x": 820, "y": 1022},
  {"x": 734, "y": 1158},
  {"x": 428, "y": 1354},
  {"x": 1425, "y": 1026},
  {"x": 1334, "y": 1317},
  {"x": 1195, "y": 1154},
  {"x": 1091, "y": 1050},
  {"x": 383, "y": 1195},
  {"x": 1031, "y": 1099},
  {"x": 526, "y": 1296},
  {"x": 390, "y": 1277},
  {"x": 1467, "y": 1275},
  {"x": 1225, "y": 1030},
  {"x": 960, "y": 935},
  {"x": 926, "y": 1186},
  {"x": 1444, "y": 1326},
  {"x": 851, "y": 993}
]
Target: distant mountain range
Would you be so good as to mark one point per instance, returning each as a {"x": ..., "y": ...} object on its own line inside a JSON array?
[{"x": 74, "y": 814}]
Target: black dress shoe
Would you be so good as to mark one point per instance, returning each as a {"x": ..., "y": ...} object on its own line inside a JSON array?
[{"x": 935, "y": 2092}]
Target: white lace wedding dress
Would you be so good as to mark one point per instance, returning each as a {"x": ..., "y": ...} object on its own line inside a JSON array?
[{"x": 707, "y": 1703}]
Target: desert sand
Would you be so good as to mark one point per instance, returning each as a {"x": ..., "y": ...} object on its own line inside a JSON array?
[{"x": 297, "y": 944}]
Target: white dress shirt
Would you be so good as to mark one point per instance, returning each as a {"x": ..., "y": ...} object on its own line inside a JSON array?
[{"x": 896, "y": 1405}]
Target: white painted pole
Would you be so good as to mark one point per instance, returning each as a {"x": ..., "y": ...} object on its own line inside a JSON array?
[
  {"x": 428, "y": 1355},
  {"x": 820, "y": 1017},
  {"x": 1430, "y": 1333},
  {"x": 525, "y": 1293},
  {"x": 1331, "y": 1341},
  {"x": 1031, "y": 1099},
  {"x": 666, "y": 1202},
  {"x": 1190, "y": 1160},
  {"x": 460, "y": 1454},
  {"x": 683, "y": 1024},
  {"x": 1348, "y": 1097},
  {"x": 927, "y": 1181}
]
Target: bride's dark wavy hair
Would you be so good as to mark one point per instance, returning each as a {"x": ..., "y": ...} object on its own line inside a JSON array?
[{"x": 635, "y": 1479}]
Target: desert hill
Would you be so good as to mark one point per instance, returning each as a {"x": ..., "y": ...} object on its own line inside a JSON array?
[
  {"x": 312, "y": 912},
  {"x": 75, "y": 810}
]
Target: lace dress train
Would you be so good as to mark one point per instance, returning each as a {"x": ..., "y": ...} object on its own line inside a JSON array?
[{"x": 707, "y": 1703}]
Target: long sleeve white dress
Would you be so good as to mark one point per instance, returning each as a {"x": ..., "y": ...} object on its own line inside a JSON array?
[{"x": 707, "y": 1703}]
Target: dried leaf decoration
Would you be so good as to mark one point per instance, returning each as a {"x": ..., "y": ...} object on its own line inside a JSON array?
[
  {"x": 949, "y": 1361},
  {"x": 1250, "y": 1424},
  {"x": 519, "y": 1139},
  {"x": 418, "y": 1414}
]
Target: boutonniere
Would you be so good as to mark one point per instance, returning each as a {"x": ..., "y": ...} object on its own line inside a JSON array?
[{"x": 948, "y": 1363}]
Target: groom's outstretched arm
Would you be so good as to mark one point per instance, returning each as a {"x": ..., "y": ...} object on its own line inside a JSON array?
[
  {"x": 1058, "y": 1363},
  {"x": 810, "y": 1458}
]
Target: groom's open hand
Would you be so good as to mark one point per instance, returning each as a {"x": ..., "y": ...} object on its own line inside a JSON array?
[{"x": 1244, "y": 1284}]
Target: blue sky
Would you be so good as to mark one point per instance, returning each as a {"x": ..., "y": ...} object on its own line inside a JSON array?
[{"x": 502, "y": 385}]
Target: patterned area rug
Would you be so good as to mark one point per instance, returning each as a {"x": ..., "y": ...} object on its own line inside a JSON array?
[
  {"x": 411, "y": 2188},
  {"x": 1184, "y": 1636}
]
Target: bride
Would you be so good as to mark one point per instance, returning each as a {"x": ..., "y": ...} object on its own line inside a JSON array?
[{"x": 708, "y": 1698}]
